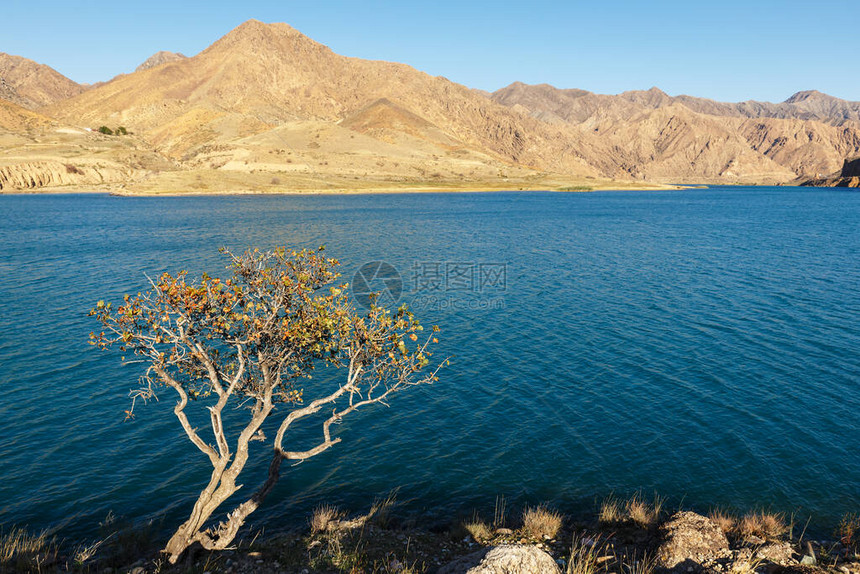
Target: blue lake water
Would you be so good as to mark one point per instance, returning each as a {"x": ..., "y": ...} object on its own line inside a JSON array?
[{"x": 702, "y": 344}]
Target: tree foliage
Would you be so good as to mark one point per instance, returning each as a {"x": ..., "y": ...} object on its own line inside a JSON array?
[{"x": 254, "y": 339}]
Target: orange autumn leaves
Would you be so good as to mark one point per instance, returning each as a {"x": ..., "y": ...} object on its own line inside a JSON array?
[{"x": 281, "y": 305}]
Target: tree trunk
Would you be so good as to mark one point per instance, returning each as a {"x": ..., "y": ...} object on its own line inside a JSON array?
[
  {"x": 222, "y": 537},
  {"x": 220, "y": 488},
  {"x": 210, "y": 499}
]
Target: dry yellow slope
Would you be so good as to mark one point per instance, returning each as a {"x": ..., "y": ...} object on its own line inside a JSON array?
[
  {"x": 264, "y": 76},
  {"x": 38, "y": 153}
]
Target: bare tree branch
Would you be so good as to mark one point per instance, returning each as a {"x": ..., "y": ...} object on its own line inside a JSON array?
[{"x": 179, "y": 411}]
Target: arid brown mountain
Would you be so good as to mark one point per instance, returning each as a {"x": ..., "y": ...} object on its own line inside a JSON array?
[
  {"x": 31, "y": 85},
  {"x": 807, "y": 105},
  {"x": 652, "y": 135},
  {"x": 580, "y": 104},
  {"x": 212, "y": 109},
  {"x": 158, "y": 59},
  {"x": 848, "y": 176},
  {"x": 267, "y": 109}
]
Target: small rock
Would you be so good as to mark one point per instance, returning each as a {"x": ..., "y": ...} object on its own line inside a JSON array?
[
  {"x": 687, "y": 537},
  {"x": 808, "y": 560},
  {"x": 778, "y": 552},
  {"x": 504, "y": 531},
  {"x": 504, "y": 559}
]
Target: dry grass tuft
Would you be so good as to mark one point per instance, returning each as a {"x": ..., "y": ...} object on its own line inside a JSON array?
[
  {"x": 767, "y": 525},
  {"x": 848, "y": 530},
  {"x": 499, "y": 512},
  {"x": 380, "y": 512},
  {"x": 645, "y": 565},
  {"x": 583, "y": 557},
  {"x": 726, "y": 521},
  {"x": 85, "y": 552},
  {"x": 611, "y": 510},
  {"x": 478, "y": 529},
  {"x": 325, "y": 518},
  {"x": 21, "y": 550},
  {"x": 643, "y": 513},
  {"x": 748, "y": 566},
  {"x": 635, "y": 509},
  {"x": 541, "y": 522}
]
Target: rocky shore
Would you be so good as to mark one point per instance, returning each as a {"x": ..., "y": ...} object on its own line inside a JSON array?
[{"x": 627, "y": 537}]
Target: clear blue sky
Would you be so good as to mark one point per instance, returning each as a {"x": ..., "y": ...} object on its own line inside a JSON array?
[{"x": 728, "y": 50}]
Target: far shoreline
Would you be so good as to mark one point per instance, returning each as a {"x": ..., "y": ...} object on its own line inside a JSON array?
[{"x": 113, "y": 190}]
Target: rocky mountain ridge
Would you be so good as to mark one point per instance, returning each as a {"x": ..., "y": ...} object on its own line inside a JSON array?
[
  {"x": 272, "y": 104},
  {"x": 807, "y": 135}
]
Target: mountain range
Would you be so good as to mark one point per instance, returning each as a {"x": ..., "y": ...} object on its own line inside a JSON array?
[{"x": 267, "y": 109}]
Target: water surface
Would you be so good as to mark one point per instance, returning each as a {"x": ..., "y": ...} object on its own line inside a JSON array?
[{"x": 700, "y": 343}]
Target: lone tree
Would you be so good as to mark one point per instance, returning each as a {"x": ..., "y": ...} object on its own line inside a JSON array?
[{"x": 254, "y": 339}]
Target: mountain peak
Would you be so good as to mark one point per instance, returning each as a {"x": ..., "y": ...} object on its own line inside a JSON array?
[
  {"x": 158, "y": 59},
  {"x": 254, "y": 37},
  {"x": 255, "y": 30},
  {"x": 808, "y": 95}
]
